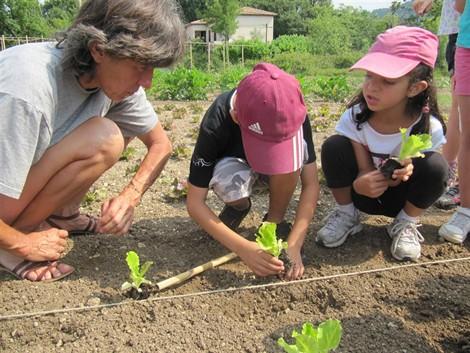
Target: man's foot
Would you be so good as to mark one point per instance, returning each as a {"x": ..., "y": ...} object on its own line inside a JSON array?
[
  {"x": 75, "y": 224},
  {"x": 406, "y": 239},
  {"x": 449, "y": 199},
  {"x": 458, "y": 226},
  {"x": 44, "y": 271},
  {"x": 339, "y": 225},
  {"x": 232, "y": 217}
]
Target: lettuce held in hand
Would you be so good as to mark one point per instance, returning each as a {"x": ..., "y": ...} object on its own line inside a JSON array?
[
  {"x": 411, "y": 147},
  {"x": 267, "y": 240}
]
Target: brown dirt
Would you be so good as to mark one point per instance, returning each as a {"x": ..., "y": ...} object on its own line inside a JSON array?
[{"x": 406, "y": 309}]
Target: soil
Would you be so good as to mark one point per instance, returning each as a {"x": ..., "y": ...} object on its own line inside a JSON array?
[{"x": 419, "y": 308}]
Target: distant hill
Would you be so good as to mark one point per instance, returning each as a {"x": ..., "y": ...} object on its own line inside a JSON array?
[{"x": 405, "y": 11}]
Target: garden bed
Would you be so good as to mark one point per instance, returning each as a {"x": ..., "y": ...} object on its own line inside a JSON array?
[{"x": 418, "y": 308}]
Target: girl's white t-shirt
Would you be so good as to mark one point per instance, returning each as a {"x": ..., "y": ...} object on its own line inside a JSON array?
[{"x": 382, "y": 146}]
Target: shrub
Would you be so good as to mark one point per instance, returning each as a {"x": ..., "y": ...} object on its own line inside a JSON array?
[
  {"x": 334, "y": 88},
  {"x": 290, "y": 44},
  {"x": 181, "y": 84},
  {"x": 296, "y": 64},
  {"x": 252, "y": 50},
  {"x": 230, "y": 77}
]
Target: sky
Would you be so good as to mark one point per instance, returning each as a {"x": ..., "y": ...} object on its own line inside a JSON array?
[{"x": 365, "y": 4}]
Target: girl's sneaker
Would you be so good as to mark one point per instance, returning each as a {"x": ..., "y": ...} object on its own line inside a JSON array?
[
  {"x": 449, "y": 199},
  {"x": 458, "y": 226},
  {"x": 339, "y": 225},
  {"x": 406, "y": 244}
]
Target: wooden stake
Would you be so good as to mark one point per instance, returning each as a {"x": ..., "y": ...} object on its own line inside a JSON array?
[{"x": 178, "y": 279}]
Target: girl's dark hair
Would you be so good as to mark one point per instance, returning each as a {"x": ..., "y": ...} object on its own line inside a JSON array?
[{"x": 424, "y": 103}]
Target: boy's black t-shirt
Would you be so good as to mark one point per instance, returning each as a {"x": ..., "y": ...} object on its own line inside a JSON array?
[{"x": 219, "y": 137}]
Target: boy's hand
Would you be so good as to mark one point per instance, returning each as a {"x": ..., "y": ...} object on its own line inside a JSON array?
[
  {"x": 260, "y": 262},
  {"x": 297, "y": 267},
  {"x": 371, "y": 184}
]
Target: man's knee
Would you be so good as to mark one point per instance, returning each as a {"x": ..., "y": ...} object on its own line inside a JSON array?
[{"x": 105, "y": 141}]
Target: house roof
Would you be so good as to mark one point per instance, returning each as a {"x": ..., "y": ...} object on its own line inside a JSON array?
[
  {"x": 244, "y": 11},
  {"x": 251, "y": 11}
]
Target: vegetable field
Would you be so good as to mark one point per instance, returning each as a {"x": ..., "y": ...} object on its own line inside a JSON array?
[{"x": 383, "y": 306}]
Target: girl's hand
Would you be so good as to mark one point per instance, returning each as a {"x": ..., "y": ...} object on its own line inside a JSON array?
[
  {"x": 297, "y": 268},
  {"x": 260, "y": 262},
  {"x": 403, "y": 174},
  {"x": 371, "y": 184}
]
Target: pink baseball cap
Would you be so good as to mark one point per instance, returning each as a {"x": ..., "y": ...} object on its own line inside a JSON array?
[
  {"x": 399, "y": 50},
  {"x": 270, "y": 110}
]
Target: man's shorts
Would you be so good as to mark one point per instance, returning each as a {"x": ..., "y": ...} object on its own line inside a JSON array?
[{"x": 462, "y": 71}]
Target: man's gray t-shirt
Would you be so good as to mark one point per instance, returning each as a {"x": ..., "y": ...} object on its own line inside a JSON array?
[{"x": 40, "y": 103}]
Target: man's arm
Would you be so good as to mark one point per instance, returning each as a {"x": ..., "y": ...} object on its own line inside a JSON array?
[
  {"x": 256, "y": 259},
  {"x": 117, "y": 213}
]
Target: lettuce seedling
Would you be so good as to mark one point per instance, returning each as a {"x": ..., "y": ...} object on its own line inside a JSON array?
[
  {"x": 314, "y": 340},
  {"x": 411, "y": 147},
  {"x": 137, "y": 273},
  {"x": 267, "y": 240}
]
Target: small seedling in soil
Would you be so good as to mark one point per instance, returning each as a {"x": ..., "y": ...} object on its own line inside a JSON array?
[
  {"x": 411, "y": 147},
  {"x": 127, "y": 154},
  {"x": 179, "y": 113},
  {"x": 314, "y": 340},
  {"x": 179, "y": 190},
  {"x": 181, "y": 151},
  {"x": 136, "y": 287},
  {"x": 131, "y": 170},
  {"x": 169, "y": 106},
  {"x": 267, "y": 240}
]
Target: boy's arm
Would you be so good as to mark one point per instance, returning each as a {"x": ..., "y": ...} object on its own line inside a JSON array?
[
  {"x": 261, "y": 263},
  {"x": 303, "y": 216},
  {"x": 459, "y": 5}
]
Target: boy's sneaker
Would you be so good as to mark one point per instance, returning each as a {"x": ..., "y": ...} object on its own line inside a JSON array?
[
  {"x": 406, "y": 239},
  {"x": 458, "y": 226},
  {"x": 449, "y": 199},
  {"x": 232, "y": 217},
  {"x": 338, "y": 226}
]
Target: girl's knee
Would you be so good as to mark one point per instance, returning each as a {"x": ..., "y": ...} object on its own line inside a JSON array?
[{"x": 432, "y": 167}]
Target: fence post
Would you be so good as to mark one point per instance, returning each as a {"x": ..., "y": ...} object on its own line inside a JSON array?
[
  {"x": 209, "y": 56},
  {"x": 191, "y": 54},
  {"x": 3, "y": 45},
  {"x": 223, "y": 54},
  {"x": 243, "y": 55},
  {"x": 27, "y": 40}
]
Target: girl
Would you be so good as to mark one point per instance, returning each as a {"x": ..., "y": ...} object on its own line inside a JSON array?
[
  {"x": 397, "y": 93},
  {"x": 457, "y": 228}
]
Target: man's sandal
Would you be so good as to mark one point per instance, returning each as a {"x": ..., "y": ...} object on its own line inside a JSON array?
[
  {"x": 76, "y": 224},
  {"x": 24, "y": 267}
]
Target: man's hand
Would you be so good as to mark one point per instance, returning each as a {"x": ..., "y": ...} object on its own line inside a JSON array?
[
  {"x": 260, "y": 262},
  {"x": 116, "y": 215},
  {"x": 42, "y": 246},
  {"x": 371, "y": 184},
  {"x": 297, "y": 269},
  {"x": 422, "y": 7}
]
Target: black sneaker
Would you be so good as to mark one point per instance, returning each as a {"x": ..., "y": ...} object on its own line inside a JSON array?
[
  {"x": 232, "y": 217},
  {"x": 450, "y": 199}
]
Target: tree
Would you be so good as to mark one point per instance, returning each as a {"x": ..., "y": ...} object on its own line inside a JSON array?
[
  {"x": 59, "y": 13},
  {"x": 192, "y": 9},
  {"x": 22, "y": 17},
  {"x": 221, "y": 17}
]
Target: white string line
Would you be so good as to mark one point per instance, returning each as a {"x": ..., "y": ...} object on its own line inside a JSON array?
[{"x": 227, "y": 290}]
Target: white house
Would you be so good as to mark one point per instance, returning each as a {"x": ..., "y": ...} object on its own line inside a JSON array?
[{"x": 252, "y": 23}]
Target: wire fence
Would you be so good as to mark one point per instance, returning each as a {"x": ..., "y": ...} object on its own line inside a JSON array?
[{"x": 198, "y": 54}]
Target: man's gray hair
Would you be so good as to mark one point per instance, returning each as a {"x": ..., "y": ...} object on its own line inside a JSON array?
[{"x": 150, "y": 32}]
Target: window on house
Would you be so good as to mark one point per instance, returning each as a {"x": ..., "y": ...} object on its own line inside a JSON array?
[{"x": 200, "y": 35}]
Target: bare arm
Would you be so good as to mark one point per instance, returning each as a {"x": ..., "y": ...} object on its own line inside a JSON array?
[
  {"x": 460, "y": 5},
  {"x": 421, "y": 7},
  {"x": 117, "y": 213},
  {"x": 259, "y": 262},
  {"x": 303, "y": 217}
]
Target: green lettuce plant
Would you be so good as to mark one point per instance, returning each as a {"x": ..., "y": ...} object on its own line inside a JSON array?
[
  {"x": 136, "y": 272},
  {"x": 314, "y": 340},
  {"x": 411, "y": 147},
  {"x": 267, "y": 240}
]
